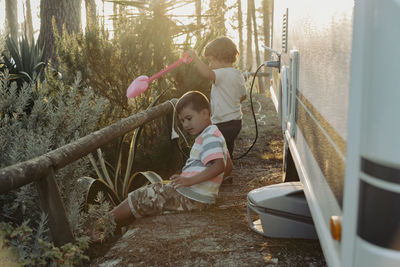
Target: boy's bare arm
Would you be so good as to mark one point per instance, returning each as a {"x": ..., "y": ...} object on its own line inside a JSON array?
[
  {"x": 216, "y": 167},
  {"x": 202, "y": 67},
  {"x": 228, "y": 167}
]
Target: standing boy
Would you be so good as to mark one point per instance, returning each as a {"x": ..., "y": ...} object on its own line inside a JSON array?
[
  {"x": 228, "y": 89},
  {"x": 198, "y": 184}
]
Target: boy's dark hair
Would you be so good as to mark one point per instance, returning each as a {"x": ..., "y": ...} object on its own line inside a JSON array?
[
  {"x": 197, "y": 100},
  {"x": 223, "y": 49}
]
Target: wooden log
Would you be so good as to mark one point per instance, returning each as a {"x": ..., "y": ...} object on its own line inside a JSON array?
[
  {"x": 20, "y": 174},
  {"x": 23, "y": 173},
  {"x": 53, "y": 206}
]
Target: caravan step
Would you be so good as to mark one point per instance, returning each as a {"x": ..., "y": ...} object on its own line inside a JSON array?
[{"x": 282, "y": 210}]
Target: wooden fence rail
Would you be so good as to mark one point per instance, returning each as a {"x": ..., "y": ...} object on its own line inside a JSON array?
[{"x": 41, "y": 170}]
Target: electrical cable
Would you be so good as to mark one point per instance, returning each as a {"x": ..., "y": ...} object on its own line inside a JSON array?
[
  {"x": 254, "y": 115},
  {"x": 175, "y": 135}
]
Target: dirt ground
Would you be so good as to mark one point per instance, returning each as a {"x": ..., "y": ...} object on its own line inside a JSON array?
[{"x": 220, "y": 236}]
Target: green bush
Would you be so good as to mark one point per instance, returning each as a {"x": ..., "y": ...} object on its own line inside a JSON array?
[
  {"x": 34, "y": 249},
  {"x": 108, "y": 66},
  {"x": 59, "y": 115},
  {"x": 141, "y": 45},
  {"x": 24, "y": 61}
]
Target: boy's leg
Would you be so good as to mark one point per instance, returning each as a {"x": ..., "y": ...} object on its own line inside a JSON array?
[
  {"x": 230, "y": 131},
  {"x": 150, "y": 200},
  {"x": 122, "y": 214}
]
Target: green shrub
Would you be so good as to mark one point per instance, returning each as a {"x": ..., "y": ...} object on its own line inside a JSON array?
[
  {"x": 142, "y": 45},
  {"x": 59, "y": 115},
  {"x": 109, "y": 66},
  {"x": 34, "y": 249},
  {"x": 24, "y": 61}
]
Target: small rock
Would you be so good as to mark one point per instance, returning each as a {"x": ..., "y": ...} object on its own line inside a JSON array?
[
  {"x": 110, "y": 263},
  {"x": 273, "y": 261}
]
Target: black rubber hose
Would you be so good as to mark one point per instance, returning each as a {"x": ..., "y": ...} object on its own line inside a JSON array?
[{"x": 254, "y": 115}]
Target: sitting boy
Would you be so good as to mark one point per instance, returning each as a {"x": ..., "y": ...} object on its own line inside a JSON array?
[{"x": 198, "y": 184}]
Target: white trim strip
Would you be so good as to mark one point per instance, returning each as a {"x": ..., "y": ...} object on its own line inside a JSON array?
[{"x": 388, "y": 186}]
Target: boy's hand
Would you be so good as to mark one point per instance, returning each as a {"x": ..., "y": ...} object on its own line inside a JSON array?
[
  {"x": 202, "y": 67},
  {"x": 180, "y": 181},
  {"x": 192, "y": 54},
  {"x": 215, "y": 167}
]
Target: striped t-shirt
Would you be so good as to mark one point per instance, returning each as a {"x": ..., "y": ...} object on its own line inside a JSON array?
[{"x": 209, "y": 145}]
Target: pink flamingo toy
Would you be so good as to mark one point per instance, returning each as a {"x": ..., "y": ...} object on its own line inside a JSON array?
[{"x": 140, "y": 84}]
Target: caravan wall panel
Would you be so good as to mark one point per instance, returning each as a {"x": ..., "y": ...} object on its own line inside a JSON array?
[{"x": 322, "y": 33}]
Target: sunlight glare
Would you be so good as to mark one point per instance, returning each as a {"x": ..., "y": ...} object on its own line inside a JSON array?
[{"x": 183, "y": 15}]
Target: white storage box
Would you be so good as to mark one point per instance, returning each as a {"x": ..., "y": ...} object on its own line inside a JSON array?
[{"x": 283, "y": 211}]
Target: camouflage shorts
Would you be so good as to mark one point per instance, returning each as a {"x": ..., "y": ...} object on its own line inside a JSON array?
[{"x": 156, "y": 199}]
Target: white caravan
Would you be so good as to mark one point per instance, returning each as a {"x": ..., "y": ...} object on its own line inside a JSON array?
[{"x": 337, "y": 92}]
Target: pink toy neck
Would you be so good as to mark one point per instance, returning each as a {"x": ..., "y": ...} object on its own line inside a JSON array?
[{"x": 185, "y": 59}]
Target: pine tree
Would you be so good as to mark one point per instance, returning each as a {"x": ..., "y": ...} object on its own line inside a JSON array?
[
  {"x": 258, "y": 60},
  {"x": 198, "y": 19},
  {"x": 12, "y": 19},
  {"x": 218, "y": 10},
  {"x": 65, "y": 12},
  {"x": 240, "y": 30},
  {"x": 267, "y": 6},
  {"x": 249, "y": 43},
  {"x": 90, "y": 7},
  {"x": 28, "y": 22}
]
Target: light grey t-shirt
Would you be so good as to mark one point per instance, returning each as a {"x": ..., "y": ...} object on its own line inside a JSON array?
[{"x": 225, "y": 95}]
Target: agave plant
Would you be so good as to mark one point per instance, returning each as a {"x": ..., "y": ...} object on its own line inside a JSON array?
[{"x": 24, "y": 61}]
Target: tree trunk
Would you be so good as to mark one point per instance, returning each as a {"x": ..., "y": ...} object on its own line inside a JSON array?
[
  {"x": 218, "y": 10},
  {"x": 12, "y": 19},
  {"x": 240, "y": 29},
  {"x": 28, "y": 22},
  {"x": 258, "y": 60},
  {"x": 103, "y": 20},
  {"x": 121, "y": 10},
  {"x": 90, "y": 7},
  {"x": 267, "y": 21},
  {"x": 198, "y": 20},
  {"x": 249, "y": 54},
  {"x": 115, "y": 16},
  {"x": 65, "y": 12}
]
